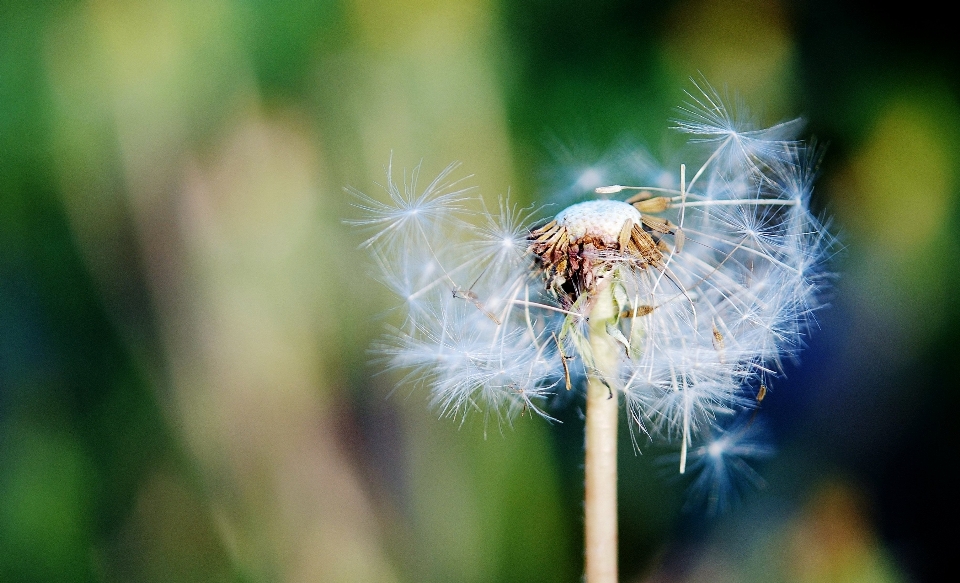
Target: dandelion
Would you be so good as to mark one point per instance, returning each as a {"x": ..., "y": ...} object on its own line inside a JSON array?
[{"x": 675, "y": 299}]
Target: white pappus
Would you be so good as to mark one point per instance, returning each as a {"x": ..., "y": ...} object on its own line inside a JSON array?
[{"x": 714, "y": 278}]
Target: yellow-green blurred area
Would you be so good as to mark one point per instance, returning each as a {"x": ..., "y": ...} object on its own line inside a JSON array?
[{"x": 186, "y": 391}]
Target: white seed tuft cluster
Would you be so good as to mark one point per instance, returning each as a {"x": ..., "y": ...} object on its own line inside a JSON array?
[{"x": 703, "y": 330}]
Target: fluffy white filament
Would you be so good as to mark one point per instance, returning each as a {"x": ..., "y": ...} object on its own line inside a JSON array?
[{"x": 700, "y": 333}]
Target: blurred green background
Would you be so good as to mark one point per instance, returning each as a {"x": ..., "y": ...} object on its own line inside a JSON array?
[{"x": 185, "y": 392}]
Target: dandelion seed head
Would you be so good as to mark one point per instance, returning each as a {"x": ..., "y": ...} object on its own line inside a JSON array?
[{"x": 715, "y": 283}]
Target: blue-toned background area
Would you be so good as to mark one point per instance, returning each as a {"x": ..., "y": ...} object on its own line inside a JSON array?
[{"x": 186, "y": 391}]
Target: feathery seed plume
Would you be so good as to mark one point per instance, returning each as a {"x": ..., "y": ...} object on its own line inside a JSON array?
[{"x": 714, "y": 281}]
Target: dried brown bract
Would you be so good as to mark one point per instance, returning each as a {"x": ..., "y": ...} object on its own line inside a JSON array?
[{"x": 578, "y": 246}]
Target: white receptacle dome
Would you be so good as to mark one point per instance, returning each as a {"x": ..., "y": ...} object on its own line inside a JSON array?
[{"x": 602, "y": 219}]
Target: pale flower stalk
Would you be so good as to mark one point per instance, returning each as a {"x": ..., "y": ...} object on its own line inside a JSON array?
[{"x": 677, "y": 300}]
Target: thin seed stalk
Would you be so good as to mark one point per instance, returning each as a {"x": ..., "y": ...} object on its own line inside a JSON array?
[{"x": 600, "y": 467}]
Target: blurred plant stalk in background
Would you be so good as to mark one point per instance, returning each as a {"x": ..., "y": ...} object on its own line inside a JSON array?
[{"x": 227, "y": 233}]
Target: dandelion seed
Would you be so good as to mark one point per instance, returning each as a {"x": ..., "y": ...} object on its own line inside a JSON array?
[{"x": 724, "y": 466}]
